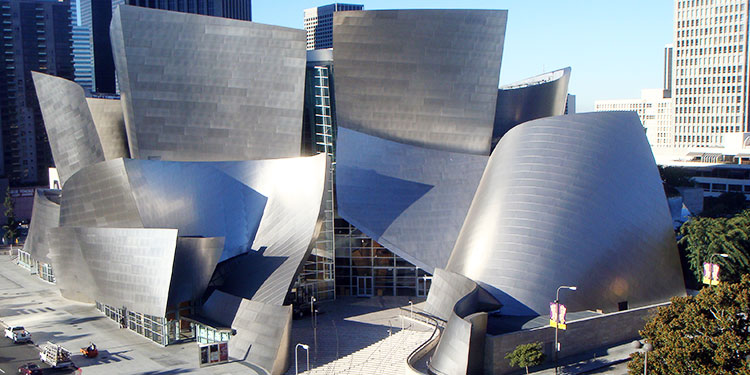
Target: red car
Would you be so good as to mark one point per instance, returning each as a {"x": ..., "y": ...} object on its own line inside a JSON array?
[{"x": 30, "y": 369}]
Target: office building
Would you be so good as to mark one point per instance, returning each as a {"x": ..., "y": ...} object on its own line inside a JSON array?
[
  {"x": 667, "y": 75},
  {"x": 319, "y": 24},
  {"x": 655, "y": 112},
  {"x": 710, "y": 65},
  {"x": 36, "y": 36},
  {"x": 234, "y": 9},
  {"x": 570, "y": 104}
]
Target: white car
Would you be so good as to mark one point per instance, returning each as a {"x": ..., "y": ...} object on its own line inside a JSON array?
[{"x": 18, "y": 334}]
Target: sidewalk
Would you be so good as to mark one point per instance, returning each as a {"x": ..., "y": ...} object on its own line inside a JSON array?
[
  {"x": 613, "y": 361},
  {"x": 354, "y": 335},
  {"x": 37, "y": 305}
]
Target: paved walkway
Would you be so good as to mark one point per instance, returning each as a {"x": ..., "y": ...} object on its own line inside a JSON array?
[
  {"x": 353, "y": 337},
  {"x": 352, "y": 333},
  {"x": 37, "y": 305}
]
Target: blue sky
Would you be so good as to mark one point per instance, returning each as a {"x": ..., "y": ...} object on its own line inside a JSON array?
[{"x": 615, "y": 48}]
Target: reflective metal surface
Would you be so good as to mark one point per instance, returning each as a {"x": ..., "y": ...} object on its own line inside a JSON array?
[
  {"x": 263, "y": 330},
  {"x": 536, "y": 97},
  {"x": 110, "y": 125},
  {"x": 421, "y": 77},
  {"x": 45, "y": 214},
  {"x": 195, "y": 260},
  {"x": 571, "y": 200},
  {"x": 207, "y": 88},
  {"x": 410, "y": 199},
  {"x": 461, "y": 346},
  {"x": 72, "y": 135},
  {"x": 129, "y": 267}
]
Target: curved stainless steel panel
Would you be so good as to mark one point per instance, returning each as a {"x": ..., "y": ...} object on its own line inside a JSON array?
[
  {"x": 110, "y": 125},
  {"x": 100, "y": 196},
  {"x": 422, "y": 77},
  {"x": 266, "y": 208},
  {"x": 410, "y": 199},
  {"x": 536, "y": 97},
  {"x": 72, "y": 274},
  {"x": 195, "y": 260},
  {"x": 227, "y": 90},
  {"x": 461, "y": 346},
  {"x": 45, "y": 214},
  {"x": 263, "y": 330},
  {"x": 129, "y": 267},
  {"x": 571, "y": 200},
  {"x": 70, "y": 129}
]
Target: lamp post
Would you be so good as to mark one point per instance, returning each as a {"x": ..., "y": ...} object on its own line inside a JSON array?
[
  {"x": 307, "y": 350},
  {"x": 710, "y": 258},
  {"x": 646, "y": 348},
  {"x": 314, "y": 325},
  {"x": 557, "y": 318}
]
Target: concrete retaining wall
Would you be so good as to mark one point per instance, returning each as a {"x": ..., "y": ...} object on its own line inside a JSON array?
[{"x": 581, "y": 336}]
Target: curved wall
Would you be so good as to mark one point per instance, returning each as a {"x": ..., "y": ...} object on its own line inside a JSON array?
[
  {"x": 45, "y": 214},
  {"x": 410, "y": 199},
  {"x": 208, "y": 88},
  {"x": 110, "y": 125},
  {"x": 421, "y": 77},
  {"x": 536, "y": 97},
  {"x": 72, "y": 134},
  {"x": 571, "y": 200}
]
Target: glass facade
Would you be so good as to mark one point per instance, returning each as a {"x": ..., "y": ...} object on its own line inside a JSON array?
[
  {"x": 207, "y": 335},
  {"x": 365, "y": 268},
  {"x": 152, "y": 327}
]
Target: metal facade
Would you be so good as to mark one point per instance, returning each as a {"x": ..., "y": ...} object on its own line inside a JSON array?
[
  {"x": 72, "y": 135},
  {"x": 110, "y": 125},
  {"x": 129, "y": 267},
  {"x": 536, "y": 97},
  {"x": 422, "y": 77},
  {"x": 195, "y": 260},
  {"x": 45, "y": 214},
  {"x": 207, "y": 88},
  {"x": 410, "y": 199},
  {"x": 263, "y": 330},
  {"x": 571, "y": 200}
]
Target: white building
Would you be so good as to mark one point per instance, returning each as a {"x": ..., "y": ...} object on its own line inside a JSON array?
[
  {"x": 319, "y": 24},
  {"x": 710, "y": 61},
  {"x": 655, "y": 111}
]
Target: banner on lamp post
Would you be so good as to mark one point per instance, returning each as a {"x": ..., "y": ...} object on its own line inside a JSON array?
[
  {"x": 711, "y": 273},
  {"x": 557, "y": 314}
]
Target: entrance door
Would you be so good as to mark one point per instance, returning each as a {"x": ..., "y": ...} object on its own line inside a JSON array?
[
  {"x": 364, "y": 286},
  {"x": 423, "y": 285}
]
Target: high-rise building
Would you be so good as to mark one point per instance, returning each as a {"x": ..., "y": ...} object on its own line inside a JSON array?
[
  {"x": 668, "y": 61},
  {"x": 570, "y": 104},
  {"x": 319, "y": 24},
  {"x": 654, "y": 110},
  {"x": 37, "y": 35},
  {"x": 235, "y": 9},
  {"x": 709, "y": 72},
  {"x": 83, "y": 50}
]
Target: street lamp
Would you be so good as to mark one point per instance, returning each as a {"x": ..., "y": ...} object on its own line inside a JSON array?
[
  {"x": 710, "y": 258},
  {"x": 646, "y": 348},
  {"x": 557, "y": 318},
  {"x": 307, "y": 350},
  {"x": 314, "y": 325}
]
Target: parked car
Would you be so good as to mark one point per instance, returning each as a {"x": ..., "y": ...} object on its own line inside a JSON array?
[
  {"x": 30, "y": 369},
  {"x": 18, "y": 334}
]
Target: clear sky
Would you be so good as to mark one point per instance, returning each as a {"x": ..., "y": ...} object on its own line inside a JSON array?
[{"x": 615, "y": 48}]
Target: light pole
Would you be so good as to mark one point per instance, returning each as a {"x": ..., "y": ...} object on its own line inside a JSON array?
[
  {"x": 646, "y": 348},
  {"x": 307, "y": 350},
  {"x": 710, "y": 258},
  {"x": 411, "y": 310},
  {"x": 314, "y": 325},
  {"x": 557, "y": 317}
]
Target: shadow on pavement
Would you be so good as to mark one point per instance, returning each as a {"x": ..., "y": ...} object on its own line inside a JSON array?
[{"x": 165, "y": 372}]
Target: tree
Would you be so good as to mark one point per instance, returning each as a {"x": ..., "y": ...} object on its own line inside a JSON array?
[
  {"x": 702, "y": 236},
  {"x": 11, "y": 225},
  {"x": 526, "y": 355},
  {"x": 705, "y": 334}
]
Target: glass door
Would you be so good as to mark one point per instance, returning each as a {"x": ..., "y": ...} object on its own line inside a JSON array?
[
  {"x": 423, "y": 285},
  {"x": 364, "y": 286}
]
